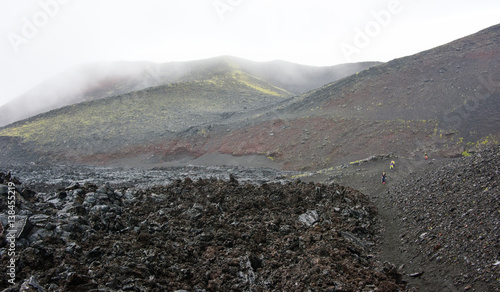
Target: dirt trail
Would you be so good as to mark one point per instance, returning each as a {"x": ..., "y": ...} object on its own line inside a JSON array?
[{"x": 366, "y": 177}]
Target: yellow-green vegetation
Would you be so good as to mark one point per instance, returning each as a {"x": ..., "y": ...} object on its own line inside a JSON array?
[
  {"x": 234, "y": 78},
  {"x": 258, "y": 85},
  {"x": 203, "y": 132},
  {"x": 300, "y": 175},
  {"x": 478, "y": 144},
  {"x": 408, "y": 122},
  {"x": 487, "y": 141}
]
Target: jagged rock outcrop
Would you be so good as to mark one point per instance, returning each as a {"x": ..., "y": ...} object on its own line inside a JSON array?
[{"x": 199, "y": 235}]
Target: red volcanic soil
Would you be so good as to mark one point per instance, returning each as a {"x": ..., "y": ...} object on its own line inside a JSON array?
[{"x": 300, "y": 144}]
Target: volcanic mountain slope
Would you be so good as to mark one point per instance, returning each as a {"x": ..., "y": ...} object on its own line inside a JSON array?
[
  {"x": 450, "y": 84},
  {"x": 148, "y": 114},
  {"x": 94, "y": 81},
  {"x": 197, "y": 93},
  {"x": 441, "y": 101}
]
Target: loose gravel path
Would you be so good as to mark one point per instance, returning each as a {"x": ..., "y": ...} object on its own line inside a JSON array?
[{"x": 441, "y": 218}]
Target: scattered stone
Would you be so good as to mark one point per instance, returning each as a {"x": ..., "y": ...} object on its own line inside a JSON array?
[
  {"x": 309, "y": 218},
  {"x": 30, "y": 285},
  {"x": 415, "y": 275},
  {"x": 21, "y": 226},
  {"x": 39, "y": 220}
]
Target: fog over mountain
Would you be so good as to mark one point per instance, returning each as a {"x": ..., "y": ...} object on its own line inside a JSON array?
[
  {"x": 94, "y": 81},
  {"x": 44, "y": 38}
]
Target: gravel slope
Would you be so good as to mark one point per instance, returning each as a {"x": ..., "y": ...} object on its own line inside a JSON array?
[
  {"x": 451, "y": 219},
  {"x": 441, "y": 218}
]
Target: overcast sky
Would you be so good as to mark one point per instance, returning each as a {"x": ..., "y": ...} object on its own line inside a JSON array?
[{"x": 40, "y": 38}]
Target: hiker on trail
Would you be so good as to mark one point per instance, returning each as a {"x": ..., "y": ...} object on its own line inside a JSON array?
[
  {"x": 425, "y": 156},
  {"x": 393, "y": 164},
  {"x": 383, "y": 177}
]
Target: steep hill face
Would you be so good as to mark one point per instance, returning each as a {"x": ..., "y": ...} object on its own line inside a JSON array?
[
  {"x": 148, "y": 115},
  {"x": 95, "y": 81},
  {"x": 178, "y": 97},
  {"x": 451, "y": 83},
  {"x": 441, "y": 101}
]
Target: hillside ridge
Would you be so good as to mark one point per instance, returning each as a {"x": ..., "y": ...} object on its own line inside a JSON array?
[{"x": 97, "y": 80}]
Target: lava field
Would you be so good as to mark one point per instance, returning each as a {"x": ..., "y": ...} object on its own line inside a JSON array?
[{"x": 204, "y": 234}]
